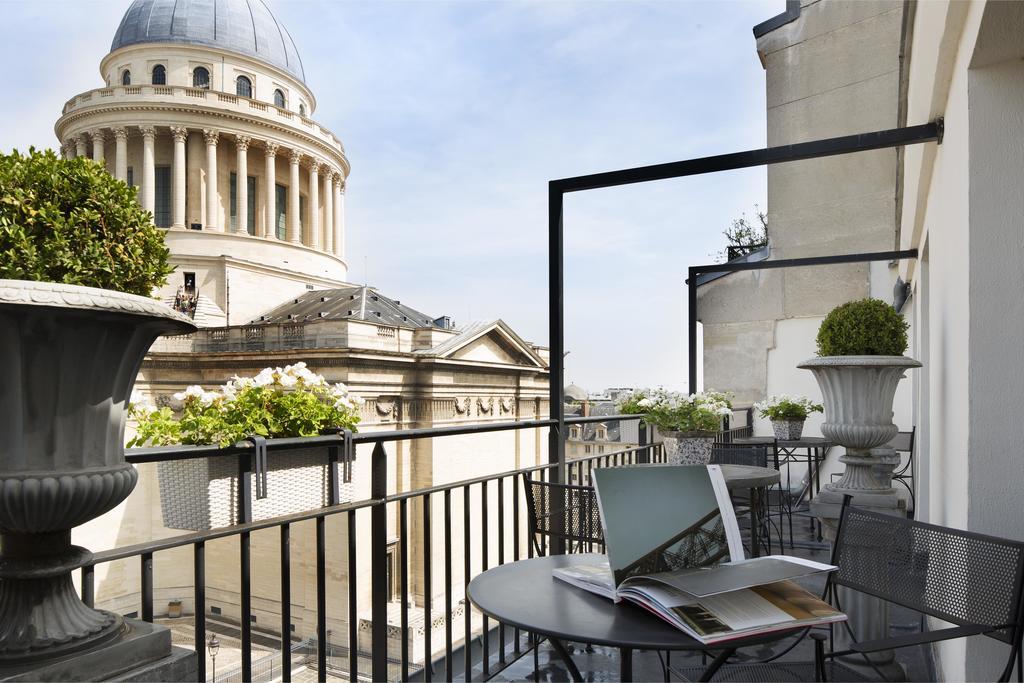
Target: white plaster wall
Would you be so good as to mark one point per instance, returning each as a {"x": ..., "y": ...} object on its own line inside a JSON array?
[{"x": 935, "y": 219}]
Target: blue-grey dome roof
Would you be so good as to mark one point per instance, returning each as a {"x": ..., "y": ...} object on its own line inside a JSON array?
[{"x": 244, "y": 26}]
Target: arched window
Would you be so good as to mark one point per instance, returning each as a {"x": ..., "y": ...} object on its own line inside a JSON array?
[
  {"x": 279, "y": 99},
  {"x": 302, "y": 109},
  {"x": 126, "y": 77},
  {"x": 159, "y": 75},
  {"x": 200, "y": 77},
  {"x": 243, "y": 87}
]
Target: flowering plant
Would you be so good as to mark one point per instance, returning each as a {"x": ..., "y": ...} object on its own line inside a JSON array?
[
  {"x": 278, "y": 402},
  {"x": 787, "y": 408},
  {"x": 676, "y": 412}
]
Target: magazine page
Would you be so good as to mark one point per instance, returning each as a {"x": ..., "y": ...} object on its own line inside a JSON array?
[
  {"x": 732, "y": 528},
  {"x": 660, "y": 518},
  {"x": 594, "y": 576},
  {"x": 720, "y": 617},
  {"x": 732, "y": 576}
]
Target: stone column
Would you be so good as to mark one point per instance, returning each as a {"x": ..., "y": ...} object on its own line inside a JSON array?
[
  {"x": 98, "y": 147},
  {"x": 328, "y": 227},
  {"x": 313, "y": 234},
  {"x": 180, "y": 135},
  {"x": 294, "y": 224},
  {"x": 339, "y": 216},
  {"x": 148, "y": 168},
  {"x": 242, "y": 186},
  {"x": 270, "y": 224},
  {"x": 67, "y": 149},
  {"x": 121, "y": 153},
  {"x": 212, "y": 137},
  {"x": 81, "y": 149}
]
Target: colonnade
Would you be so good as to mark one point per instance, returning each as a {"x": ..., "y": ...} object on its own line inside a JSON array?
[{"x": 329, "y": 238}]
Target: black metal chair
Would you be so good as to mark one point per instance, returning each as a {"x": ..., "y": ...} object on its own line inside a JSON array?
[
  {"x": 904, "y": 443},
  {"x": 754, "y": 455},
  {"x": 566, "y": 512},
  {"x": 971, "y": 580}
]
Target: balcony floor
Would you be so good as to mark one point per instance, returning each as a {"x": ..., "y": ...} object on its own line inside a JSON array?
[{"x": 602, "y": 664}]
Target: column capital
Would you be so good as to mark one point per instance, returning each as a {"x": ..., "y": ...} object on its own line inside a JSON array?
[
  {"x": 148, "y": 132},
  {"x": 97, "y": 135},
  {"x": 120, "y": 133},
  {"x": 69, "y": 144},
  {"x": 211, "y": 136},
  {"x": 315, "y": 165},
  {"x": 295, "y": 157},
  {"x": 342, "y": 184},
  {"x": 271, "y": 148},
  {"x": 179, "y": 133},
  {"x": 81, "y": 139},
  {"x": 242, "y": 142},
  {"x": 339, "y": 179}
]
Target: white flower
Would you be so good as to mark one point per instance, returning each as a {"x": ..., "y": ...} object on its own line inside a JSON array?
[
  {"x": 288, "y": 381},
  {"x": 207, "y": 398},
  {"x": 645, "y": 403},
  {"x": 264, "y": 378},
  {"x": 193, "y": 391}
]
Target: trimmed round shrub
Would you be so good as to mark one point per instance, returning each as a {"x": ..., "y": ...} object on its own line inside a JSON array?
[
  {"x": 68, "y": 220},
  {"x": 869, "y": 327}
]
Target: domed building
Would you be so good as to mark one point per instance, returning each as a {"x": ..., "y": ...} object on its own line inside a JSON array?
[{"x": 204, "y": 107}]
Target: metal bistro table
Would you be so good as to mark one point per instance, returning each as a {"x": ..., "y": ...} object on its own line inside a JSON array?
[
  {"x": 526, "y": 595},
  {"x": 812, "y": 451},
  {"x": 756, "y": 480}
]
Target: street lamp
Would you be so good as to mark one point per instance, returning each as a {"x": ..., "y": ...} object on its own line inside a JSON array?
[{"x": 213, "y": 647}]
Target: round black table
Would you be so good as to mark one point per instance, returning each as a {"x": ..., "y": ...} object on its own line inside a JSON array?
[
  {"x": 757, "y": 480},
  {"x": 526, "y": 595}
]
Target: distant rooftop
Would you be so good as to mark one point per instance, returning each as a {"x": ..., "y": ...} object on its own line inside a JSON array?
[{"x": 350, "y": 303}]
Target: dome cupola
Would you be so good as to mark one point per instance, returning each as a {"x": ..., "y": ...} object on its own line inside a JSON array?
[{"x": 244, "y": 27}]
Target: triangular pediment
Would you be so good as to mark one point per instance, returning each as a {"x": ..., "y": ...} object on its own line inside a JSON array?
[{"x": 493, "y": 342}]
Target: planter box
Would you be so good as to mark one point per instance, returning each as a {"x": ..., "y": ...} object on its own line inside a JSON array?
[
  {"x": 788, "y": 430},
  {"x": 202, "y": 494},
  {"x": 688, "y": 448}
]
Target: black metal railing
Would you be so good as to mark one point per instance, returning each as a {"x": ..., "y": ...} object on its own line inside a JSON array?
[{"x": 482, "y": 521}]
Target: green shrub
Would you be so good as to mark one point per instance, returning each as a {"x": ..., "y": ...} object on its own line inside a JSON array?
[
  {"x": 869, "y": 327},
  {"x": 68, "y": 220}
]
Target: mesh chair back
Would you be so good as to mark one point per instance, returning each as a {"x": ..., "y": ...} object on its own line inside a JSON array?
[
  {"x": 563, "y": 511},
  {"x": 958, "y": 576},
  {"x": 756, "y": 456},
  {"x": 903, "y": 442}
]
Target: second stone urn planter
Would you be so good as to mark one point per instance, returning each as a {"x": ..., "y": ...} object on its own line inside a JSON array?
[
  {"x": 688, "y": 448},
  {"x": 858, "y": 393},
  {"x": 69, "y": 356}
]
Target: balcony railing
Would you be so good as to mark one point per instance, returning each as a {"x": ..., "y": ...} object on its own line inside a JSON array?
[
  {"x": 177, "y": 94},
  {"x": 479, "y": 523}
]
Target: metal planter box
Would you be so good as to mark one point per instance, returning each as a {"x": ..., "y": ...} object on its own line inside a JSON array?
[{"x": 203, "y": 494}]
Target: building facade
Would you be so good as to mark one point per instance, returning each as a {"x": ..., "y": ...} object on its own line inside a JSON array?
[{"x": 204, "y": 107}]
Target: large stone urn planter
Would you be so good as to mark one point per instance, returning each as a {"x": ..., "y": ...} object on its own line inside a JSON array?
[
  {"x": 858, "y": 392},
  {"x": 688, "y": 448},
  {"x": 68, "y": 358}
]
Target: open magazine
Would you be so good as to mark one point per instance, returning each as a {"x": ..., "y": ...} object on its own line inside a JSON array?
[{"x": 674, "y": 548}]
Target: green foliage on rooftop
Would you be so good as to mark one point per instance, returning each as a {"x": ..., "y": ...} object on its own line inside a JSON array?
[
  {"x": 869, "y": 327},
  {"x": 69, "y": 221}
]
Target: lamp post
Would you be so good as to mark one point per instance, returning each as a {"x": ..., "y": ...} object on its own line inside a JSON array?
[{"x": 213, "y": 647}]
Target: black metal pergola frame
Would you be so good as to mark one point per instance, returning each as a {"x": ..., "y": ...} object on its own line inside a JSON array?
[{"x": 557, "y": 189}]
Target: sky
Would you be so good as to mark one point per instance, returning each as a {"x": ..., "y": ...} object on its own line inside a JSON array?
[{"x": 455, "y": 115}]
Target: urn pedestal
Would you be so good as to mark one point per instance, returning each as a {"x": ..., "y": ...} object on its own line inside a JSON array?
[
  {"x": 858, "y": 393},
  {"x": 69, "y": 356}
]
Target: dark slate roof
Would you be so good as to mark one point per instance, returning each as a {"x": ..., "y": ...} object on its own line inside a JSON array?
[
  {"x": 244, "y": 26},
  {"x": 348, "y": 303}
]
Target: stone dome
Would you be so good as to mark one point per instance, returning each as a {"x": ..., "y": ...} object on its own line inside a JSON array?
[
  {"x": 243, "y": 26},
  {"x": 575, "y": 393}
]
